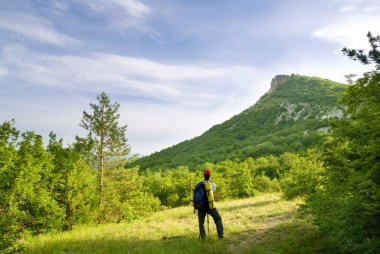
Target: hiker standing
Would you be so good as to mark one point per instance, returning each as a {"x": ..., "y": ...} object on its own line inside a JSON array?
[{"x": 209, "y": 207}]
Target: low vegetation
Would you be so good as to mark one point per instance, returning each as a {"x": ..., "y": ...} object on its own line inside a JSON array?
[{"x": 264, "y": 224}]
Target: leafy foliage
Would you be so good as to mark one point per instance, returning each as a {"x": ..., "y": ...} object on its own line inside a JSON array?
[
  {"x": 26, "y": 199},
  {"x": 74, "y": 184},
  {"x": 348, "y": 207},
  {"x": 171, "y": 186},
  {"x": 305, "y": 176},
  {"x": 56, "y": 188},
  {"x": 124, "y": 199}
]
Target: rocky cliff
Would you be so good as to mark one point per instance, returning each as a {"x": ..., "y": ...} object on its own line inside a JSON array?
[{"x": 277, "y": 81}]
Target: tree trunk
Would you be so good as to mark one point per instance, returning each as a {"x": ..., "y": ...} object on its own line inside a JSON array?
[
  {"x": 101, "y": 163},
  {"x": 101, "y": 167}
]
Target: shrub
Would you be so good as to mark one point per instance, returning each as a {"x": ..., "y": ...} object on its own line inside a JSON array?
[{"x": 304, "y": 177}]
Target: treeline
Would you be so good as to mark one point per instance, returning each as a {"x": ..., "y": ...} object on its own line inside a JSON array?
[
  {"x": 54, "y": 188},
  {"x": 234, "y": 178}
]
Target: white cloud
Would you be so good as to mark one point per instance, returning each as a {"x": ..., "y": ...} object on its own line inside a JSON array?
[
  {"x": 197, "y": 96},
  {"x": 60, "y": 6},
  {"x": 347, "y": 8},
  {"x": 350, "y": 32},
  {"x": 125, "y": 16},
  {"x": 130, "y": 76},
  {"x": 3, "y": 72},
  {"x": 134, "y": 7},
  {"x": 354, "y": 5},
  {"x": 35, "y": 28},
  {"x": 351, "y": 26}
]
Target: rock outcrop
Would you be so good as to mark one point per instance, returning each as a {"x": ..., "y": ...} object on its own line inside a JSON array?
[{"x": 277, "y": 81}]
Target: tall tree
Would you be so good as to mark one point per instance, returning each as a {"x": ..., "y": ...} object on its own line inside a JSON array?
[{"x": 108, "y": 138}]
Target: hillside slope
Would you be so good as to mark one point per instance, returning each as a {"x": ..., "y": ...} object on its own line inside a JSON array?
[
  {"x": 290, "y": 117},
  {"x": 264, "y": 224}
]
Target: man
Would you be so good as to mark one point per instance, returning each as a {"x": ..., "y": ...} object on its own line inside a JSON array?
[{"x": 212, "y": 211}]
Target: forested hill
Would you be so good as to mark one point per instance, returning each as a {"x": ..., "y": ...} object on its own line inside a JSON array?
[{"x": 292, "y": 116}]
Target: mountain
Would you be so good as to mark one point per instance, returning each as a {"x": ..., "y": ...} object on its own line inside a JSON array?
[{"x": 292, "y": 116}]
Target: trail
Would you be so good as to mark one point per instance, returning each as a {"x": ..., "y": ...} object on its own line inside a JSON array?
[{"x": 255, "y": 236}]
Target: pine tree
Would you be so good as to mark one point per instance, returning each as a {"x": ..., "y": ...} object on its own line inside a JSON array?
[
  {"x": 373, "y": 56},
  {"x": 108, "y": 138}
]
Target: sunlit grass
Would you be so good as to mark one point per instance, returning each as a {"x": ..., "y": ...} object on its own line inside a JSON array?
[{"x": 264, "y": 224}]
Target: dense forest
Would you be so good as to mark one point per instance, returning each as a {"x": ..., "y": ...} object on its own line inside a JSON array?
[{"x": 46, "y": 188}]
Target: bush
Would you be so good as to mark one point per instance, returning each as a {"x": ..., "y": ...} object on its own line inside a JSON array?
[
  {"x": 304, "y": 177},
  {"x": 123, "y": 197},
  {"x": 264, "y": 184}
]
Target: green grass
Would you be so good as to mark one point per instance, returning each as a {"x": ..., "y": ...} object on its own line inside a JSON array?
[{"x": 264, "y": 224}]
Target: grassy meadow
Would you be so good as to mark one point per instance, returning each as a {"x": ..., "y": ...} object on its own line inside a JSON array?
[{"x": 263, "y": 224}]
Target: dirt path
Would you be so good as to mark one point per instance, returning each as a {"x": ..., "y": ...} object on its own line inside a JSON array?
[{"x": 255, "y": 236}]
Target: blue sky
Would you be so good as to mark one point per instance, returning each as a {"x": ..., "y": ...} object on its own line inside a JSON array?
[{"x": 176, "y": 67}]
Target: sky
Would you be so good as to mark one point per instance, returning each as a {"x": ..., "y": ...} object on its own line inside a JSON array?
[{"x": 177, "y": 67}]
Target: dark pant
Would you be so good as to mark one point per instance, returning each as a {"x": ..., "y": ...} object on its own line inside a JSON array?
[{"x": 217, "y": 220}]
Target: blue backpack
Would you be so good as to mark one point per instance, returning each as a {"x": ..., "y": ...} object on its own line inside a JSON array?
[{"x": 200, "y": 197}]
